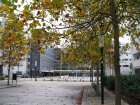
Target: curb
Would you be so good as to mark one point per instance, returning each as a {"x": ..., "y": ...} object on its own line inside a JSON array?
[{"x": 79, "y": 102}]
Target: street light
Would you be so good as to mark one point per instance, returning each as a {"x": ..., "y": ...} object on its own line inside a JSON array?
[
  {"x": 29, "y": 68},
  {"x": 101, "y": 45},
  {"x": 30, "y": 59},
  {"x": 1, "y": 68},
  {"x": 35, "y": 69}
]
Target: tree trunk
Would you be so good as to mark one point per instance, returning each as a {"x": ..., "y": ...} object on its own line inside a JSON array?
[
  {"x": 97, "y": 78},
  {"x": 116, "y": 52},
  {"x": 92, "y": 73},
  {"x": 9, "y": 66},
  {"x": 8, "y": 81}
]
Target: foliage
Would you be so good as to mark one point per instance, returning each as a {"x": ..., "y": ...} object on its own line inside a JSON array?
[
  {"x": 110, "y": 82},
  {"x": 130, "y": 84},
  {"x": 82, "y": 22},
  {"x": 63, "y": 73},
  {"x": 2, "y": 78},
  {"x": 85, "y": 20},
  {"x": 13, "y": 42}
]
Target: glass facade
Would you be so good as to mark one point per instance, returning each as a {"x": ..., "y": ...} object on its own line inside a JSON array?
[{"x": 136, "y": 56}]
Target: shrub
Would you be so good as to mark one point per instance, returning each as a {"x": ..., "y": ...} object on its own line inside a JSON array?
[
  {"x": 2, "y": 78},
  {"x": 131, "y": 84},
  {"x": 109, "y": 82},
  {"x": 64, "y": 73}
]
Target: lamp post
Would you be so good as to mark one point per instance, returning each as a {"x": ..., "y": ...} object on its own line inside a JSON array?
[
  {"x": 29, "y": 73},
  {"x": 101, "y": 45},
  {"x": 30, "y": 60},
  {"x": 1, "y": 68},
  {"x": 35, "y": 69}
]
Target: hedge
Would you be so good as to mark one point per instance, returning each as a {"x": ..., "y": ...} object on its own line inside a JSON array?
[
  {"x": 109, "y": 82},
  {"x": 130, "y": 86},
  {"x": 129, "y": 83},
  {"x": 2, "y": 78}
]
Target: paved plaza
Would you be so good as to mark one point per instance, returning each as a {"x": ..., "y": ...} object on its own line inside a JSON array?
[
  {"x": 42, "y": 93},
  {"x": 30, "y": 92}
]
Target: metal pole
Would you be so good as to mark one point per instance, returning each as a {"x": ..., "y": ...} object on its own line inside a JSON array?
[
  {"x": 102, "y": 77},
  {"x": 35, "y": 69},
  {"x": 31, "y": 64},
  {"x": 35, "y": 73},
  {"x": 90, "y": 75}
]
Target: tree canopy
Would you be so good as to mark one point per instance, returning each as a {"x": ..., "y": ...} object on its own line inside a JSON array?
[{"x": 81, "y": 22}]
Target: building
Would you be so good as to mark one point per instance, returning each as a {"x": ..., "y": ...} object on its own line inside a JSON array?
[
  {"x": 125, "y": 61},
  {"x": 136, "y": 59},
  {"x": 136, "y": 54},
  {"x": 50, "y": 61},
  {"x": 46, "y": 63},
  {"x": 136, "y": 62}
]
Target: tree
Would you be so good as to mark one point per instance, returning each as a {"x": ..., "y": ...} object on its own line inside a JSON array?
[
  {"x": 117, "y": 16},
  {"x": 21, "y": 28},
  {"x": 13, "y": 40},
  {"x": 86, "y": 18}
]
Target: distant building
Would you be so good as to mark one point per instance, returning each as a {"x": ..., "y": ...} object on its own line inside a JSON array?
[
  {"x": 46, "y": 63},
  {"x": 136, "y": 59},
  {"x": 50, "y": 61},
  {"x": 125, "y": 61}
]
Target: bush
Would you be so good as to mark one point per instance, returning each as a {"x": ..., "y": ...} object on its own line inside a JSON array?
[
  {"x": 2, "y": 78},
  {"x": 64, "y": 73},
  {"x": 109, "y": 82},
  {"x": 131, "y": 84}
]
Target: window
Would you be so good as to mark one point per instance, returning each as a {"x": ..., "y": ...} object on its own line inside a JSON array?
[
  {"x": 28, "y": 59},
  {"x": 28, "y": 66},
  {"x": 125, "y": 65},
  {"x": 136, "y": 56},
  {"x": 125, "y": 59}
]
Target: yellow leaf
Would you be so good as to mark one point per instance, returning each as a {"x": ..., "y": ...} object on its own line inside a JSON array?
[
  {"x": 4, "y": 8},
  {"x": 14, "y": 53},
  {"x": 45, "y": 1},
  {"x": 7, "y": 30}
]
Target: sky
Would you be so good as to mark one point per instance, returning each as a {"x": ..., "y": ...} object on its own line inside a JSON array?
[{"x": 125, "y": 39}]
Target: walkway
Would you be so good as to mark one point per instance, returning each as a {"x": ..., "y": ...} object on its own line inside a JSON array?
[
  {"x": 42, "y": 92},
  {"x": 90, "y": 97}
]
